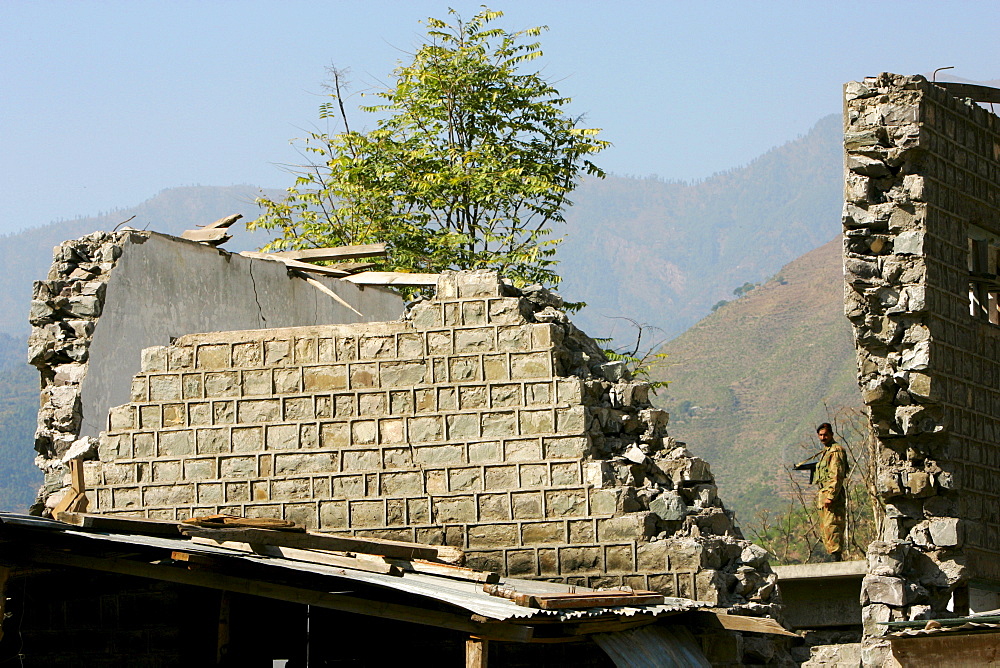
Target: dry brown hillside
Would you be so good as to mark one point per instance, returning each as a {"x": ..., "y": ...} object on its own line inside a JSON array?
[{"x": 750, "y": 381}]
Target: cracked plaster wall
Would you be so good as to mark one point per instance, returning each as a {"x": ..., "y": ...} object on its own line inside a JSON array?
[{"x": 109, "y": 295}]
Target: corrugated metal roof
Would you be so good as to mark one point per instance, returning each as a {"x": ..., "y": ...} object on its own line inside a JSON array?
[
  {"x": 463, "y": 594},
  {"x": 968, "y": 627},
  {"x": 653, "y": 646}
]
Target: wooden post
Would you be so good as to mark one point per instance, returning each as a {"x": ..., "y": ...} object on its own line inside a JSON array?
[
  {"x": 477, "y": 651},
  {"x": 222, "y": 648},
  {"x": 4, "y": 577},
  {"x": 75, "y": 499}
]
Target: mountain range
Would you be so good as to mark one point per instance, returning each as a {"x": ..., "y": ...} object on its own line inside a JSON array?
[{"x": 658, "y": 253}]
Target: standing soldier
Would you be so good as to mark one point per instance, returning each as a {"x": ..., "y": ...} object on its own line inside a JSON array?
[{"x": 831, "y": 470}]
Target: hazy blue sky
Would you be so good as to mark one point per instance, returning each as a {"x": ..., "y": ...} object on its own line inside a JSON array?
[{"x": 103, "y": 104}]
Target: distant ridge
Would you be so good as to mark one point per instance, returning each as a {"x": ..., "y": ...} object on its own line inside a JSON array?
[
  {"x": 665, "y": 252},
  {"x": 26, "y": 255}
]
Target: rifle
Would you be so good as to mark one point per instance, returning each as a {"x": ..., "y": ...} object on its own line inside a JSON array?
[{"x": 809, "y": 465}]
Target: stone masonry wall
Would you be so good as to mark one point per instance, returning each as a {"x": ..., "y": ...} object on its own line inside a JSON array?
[
  {"x": 922, "y": 175},
  {"x": 484, "y": 420}
]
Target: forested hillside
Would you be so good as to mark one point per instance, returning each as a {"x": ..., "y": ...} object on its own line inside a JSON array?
[
  {"x": 18, "y": 404},
  {"x": 664, "y": 253},
  {"x": 749, "y": 382}
]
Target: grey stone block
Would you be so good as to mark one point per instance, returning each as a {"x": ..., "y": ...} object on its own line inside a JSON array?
[
  {"x": 669, "y": 506},
  {"x": 883, "y": 589}
]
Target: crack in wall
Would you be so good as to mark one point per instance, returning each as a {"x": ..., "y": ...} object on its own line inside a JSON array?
[{"x": 256, "y": 297}]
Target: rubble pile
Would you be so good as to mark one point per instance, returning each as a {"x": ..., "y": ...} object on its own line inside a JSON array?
[
  {"x": 643, "y": 475},
  {"x": 64, "y": 310}
]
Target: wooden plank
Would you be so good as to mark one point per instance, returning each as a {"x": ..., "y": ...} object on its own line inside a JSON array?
[
  {"x": 737, "y": 622},
  {"x": 399, "y": 278},
  {"x": 223, "y": 222},
  {"x": 317, "y": 541},
  {"x": 975, "y": 91},
  {"x": 76, "y": 476},
  {"x": 118, "y": 523},
  {"x": 557, "y": 602},
  {"x": 450, "y": 555},
  {"x": 5, "y": 574},
  {"x": 590, "y": 599},
  {"x": 328, "y": 292},
  {"x": 75, "y": 498},
  {"x": 340, "y": 560},
  {"x": 206, "y": 235},
  {"x": 352, "y": 267},
  {"x": 448, "y": 570},
  {"x": 332, "y": 601},
  {"x": 295, "y": 264},
  {"x": 477, "y": 652},
  {"x": 224, "y": 521},
  {"x": 69, "y": 502},
  {"x": 335, "y": 253}
]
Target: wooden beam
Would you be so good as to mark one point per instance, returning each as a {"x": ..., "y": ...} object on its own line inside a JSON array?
[
  {"x": 295, "y": 264},
  {"x": 213, "y": 236},
  {"x": 328, "y": 292},
  {"x": 223, "y": 222},
  {"x": 311, "y": 556},
  {"x": 75, "y": 499},
  {"x": 331, "y": 600},
  {"x": 975, "y": 91},
  {"x": 4, "y": 578},
  {"x": 448, "y": 571},
  {"x": 222, "y": 645},
  {"x": 335, "y": 253},
  {"x": 352, "y": 267},
  {"x": 477, "y": 651},
  {"x": 318, "y": 541},
  {"x": 737, "y": 622},
  {"x": 233, "y": 521},
  {"x": 397, "y": 278},
  {"x": 77, "y": 481},
  {"x": 118, "y": 523}
]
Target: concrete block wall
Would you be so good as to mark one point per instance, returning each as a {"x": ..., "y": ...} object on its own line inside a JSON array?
[
  {"x": 109, "y": 295},
  {"x": 485, "y": 420},
  {"x": 921, "y": 180}
]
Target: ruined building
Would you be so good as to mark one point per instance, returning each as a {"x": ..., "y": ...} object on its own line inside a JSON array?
[
  {"x": 921, "y": 250},
  {"x": 482, "y": 420}
]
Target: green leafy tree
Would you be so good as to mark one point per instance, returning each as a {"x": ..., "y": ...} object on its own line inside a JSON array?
[{"x": 470, "y": 163}]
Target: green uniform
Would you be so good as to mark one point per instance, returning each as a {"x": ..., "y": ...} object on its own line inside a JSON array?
[{"x": 830, "y": 473}]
